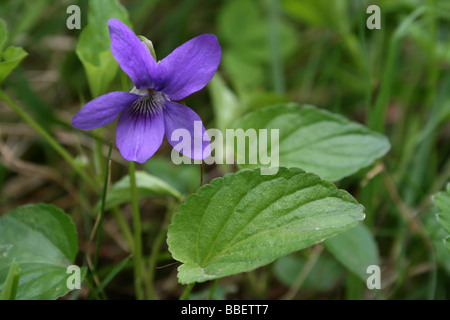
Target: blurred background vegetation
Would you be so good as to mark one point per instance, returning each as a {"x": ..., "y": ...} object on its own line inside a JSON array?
[{"x": 395, "y": 80}]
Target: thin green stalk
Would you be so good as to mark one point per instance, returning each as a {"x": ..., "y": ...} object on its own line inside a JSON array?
[
  {"x": 213, "y": 289},
  {"x": 274, "y": 43},
  {"x": 102, "y": 210},
  {"x": 92, "y": 291},
  {"x": 137, "y": 232},
  {"x": 354, "y": 287},
  {"x": 98, "y": 154},
  {"x": 433, "y": 63},
  {"x": 415, "y": 226},
  {"x": 150, "y": 274},
  {"x": 112, "y": 274},
  {"x": 50, "y": 140},
  {"x": 255, "y": 286},
  {"x": 306, "y": 270},
  {"x": 366, "y": 62},
  {"x": 123, "y": 226},
  {"x": 377, "y": 117},
  {"x": 187, "y": 291}
]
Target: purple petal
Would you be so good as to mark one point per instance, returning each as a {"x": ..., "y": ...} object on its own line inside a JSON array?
[
  {"x": 189, "y": 67},
  {"x": 189, "y": 126},
  {"x": 139, "y": 136},
  {"x": 132, "y": 54},
  {"x": 103, "y": 110}
]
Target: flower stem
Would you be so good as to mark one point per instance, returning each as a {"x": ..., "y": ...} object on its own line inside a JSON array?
[
  {"x": 102, "y": 209},
  {"x": 137, "y": 247},
  {"x": 213, "y": 289},
  {"x": 156, "y": 247},
  {"x": 187, "y": 291},
  {"x": 50, "y": 140}
]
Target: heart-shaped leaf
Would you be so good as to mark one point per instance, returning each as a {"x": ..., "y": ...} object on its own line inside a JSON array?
[
  {"x": 246, "y": 220},
  {"x": 315, "y": 140},
  {"x": 42, "y": 239}
]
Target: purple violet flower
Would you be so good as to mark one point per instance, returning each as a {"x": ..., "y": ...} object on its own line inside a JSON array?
[{"x": 149, "y": 111}]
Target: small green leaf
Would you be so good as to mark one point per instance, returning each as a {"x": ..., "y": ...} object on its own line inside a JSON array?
[
  {"x": 11, "y": 283},
  {"x": 315, "y": 140},
  {"x": 147, "y": 186},
  {"x": 12, "y": 56},
  {"x": 356, "y": 249},
  {"x": 442, "y": 201},
  {"x": 93, "y": 48},
  {"x": 149, "y": 45},
  {"x": 42, "y": 239},
  {"x": 99, "y": 75},
  {"x": 246, "y": 220}
]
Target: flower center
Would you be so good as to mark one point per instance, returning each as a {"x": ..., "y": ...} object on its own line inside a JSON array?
[{"x": 148, "y": 105}]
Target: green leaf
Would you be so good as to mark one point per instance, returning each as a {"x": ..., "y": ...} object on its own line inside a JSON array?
[
  {"x": 442, "y": 201},
  {"x": 356, "y": 249},
  {"x": 184, "y": 179},
  {"x": 99, "y": 75},
  {"x": 315, "y": 140},
  {"x": 12, "y": 56},
  {"x": 11, "y": 283},
  {"x": 93, "y": 48},
  {"x": 42, "y": 239},
  {"x": 438, "y": 236},
  {"x": 323, "y": 276},
  {"x": 246, "y": 220},
  {"x": 147, "y": 186}
]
